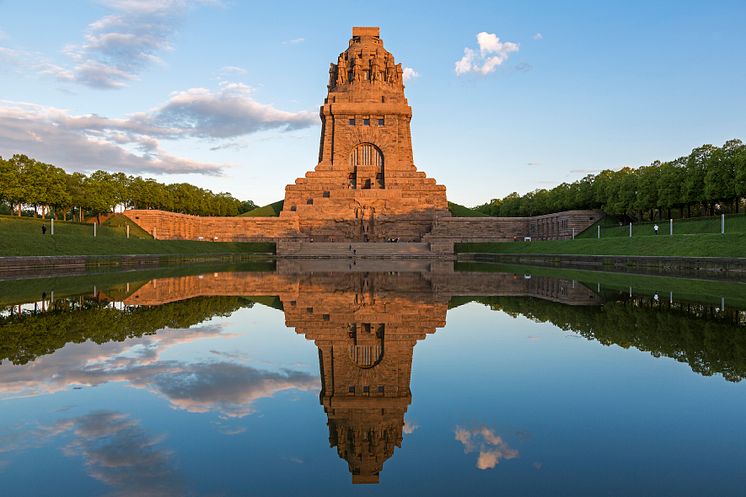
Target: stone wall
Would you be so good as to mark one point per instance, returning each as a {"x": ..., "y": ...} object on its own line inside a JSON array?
[
  {"x": 557, "y": 226},
  {"x": 324, "y": 225},
  {"x": 164, "y": 225}
]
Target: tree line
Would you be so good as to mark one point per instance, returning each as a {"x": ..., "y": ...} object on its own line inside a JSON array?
[
  {"x": 28, "y": 336},
  {"x": 709, "y": 180},
  {"x": 26, "y": 182},
  {"x": 710, "y": 342}
]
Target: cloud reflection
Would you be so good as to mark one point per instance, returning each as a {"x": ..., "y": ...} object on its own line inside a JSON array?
[
  {"x": 225, "y": 387},
  {"x": 115, "y": 450},
  {"x": 119, "y": 453},
  {"x": 491, "y": 447}
]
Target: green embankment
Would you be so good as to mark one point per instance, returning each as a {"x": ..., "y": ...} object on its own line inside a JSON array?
[
  {"x": 270, "y": 210},
  {"x": 273, "y": 210},
  {"x": 461, "y": 211},
  {"x": 733, "y": 245},
  {"x": 22, "y": 237},
  {"x": 697, "y": 237},
  {"x": 612, "y": 228}
]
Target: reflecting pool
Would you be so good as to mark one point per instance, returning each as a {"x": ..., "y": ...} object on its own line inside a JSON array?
[{"x": 371, "y": 378}]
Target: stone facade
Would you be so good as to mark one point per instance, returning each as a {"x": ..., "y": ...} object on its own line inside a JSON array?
[
  {"x": 365, "y": 326},
  {"x": 365, "y": 187}
]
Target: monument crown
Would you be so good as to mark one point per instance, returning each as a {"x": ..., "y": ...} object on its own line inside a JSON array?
[{"x": 374, "y": 31}]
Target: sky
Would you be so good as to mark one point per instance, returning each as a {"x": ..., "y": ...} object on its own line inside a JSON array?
[{"x": 506, "y": 96}]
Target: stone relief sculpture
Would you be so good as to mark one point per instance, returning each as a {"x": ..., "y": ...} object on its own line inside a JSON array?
[
  {"x": 332, "y": 75},
  {"x": 375, "y": 66},
  {"x": 342, "y": 75},
  {"x": 357, "y": 70},
  {"x": 390, "y": 69}
]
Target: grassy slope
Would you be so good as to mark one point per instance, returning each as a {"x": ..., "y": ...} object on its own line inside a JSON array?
[
  {"x": 270, "y": 210},
  {"x": 461, "y": 211},
  {"x": 692, "y": 237},
  {"x": 22, "y": 236},
  {"x": 273, "y": 210},
  {"x": 610, "y": 228},
  {"x": 733, "y": 245}
]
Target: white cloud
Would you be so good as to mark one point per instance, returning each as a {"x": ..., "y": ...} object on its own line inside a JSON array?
[
  {"x": 492, "y": 53},
  {"x": 233, "y": 70},
  {"x": 538, "y": 36},
  {"x": 294, "y": 41},
  {"x": 229, "y": 112},
  {"x": 133, "y": 143},
  {"x": 409, "y": 73},
  {"x": 115, "y": 48}
]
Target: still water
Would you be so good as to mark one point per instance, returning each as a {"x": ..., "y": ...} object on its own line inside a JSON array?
[{"x": 379, "y": 380}]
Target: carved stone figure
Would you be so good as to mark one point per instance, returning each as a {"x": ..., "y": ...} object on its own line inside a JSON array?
[
  {"x": 357, "y": 70},
  {"x": 342, "y": 75},
  {"x": 390, "y": 69},
  {"x": 375, "y": 66},
  {"x": 332, "y": 75},
  {"x": 399, "y": 73}
]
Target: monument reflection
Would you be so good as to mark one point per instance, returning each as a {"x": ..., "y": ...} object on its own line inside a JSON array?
[{"x": 365, "y": 325}]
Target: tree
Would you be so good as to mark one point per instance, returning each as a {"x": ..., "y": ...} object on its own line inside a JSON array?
[
  {"x": 647, "y": 189},
  {"x": 696, "y": 170},
  {"x": 76, "y": 191},
  {"x": 670, "y": 181},
  {"x": 246, "y": 206},
  {"x": 100, "y": 193}
]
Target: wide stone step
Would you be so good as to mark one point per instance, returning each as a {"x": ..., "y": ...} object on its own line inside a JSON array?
[{"x": 360, "y": 249}]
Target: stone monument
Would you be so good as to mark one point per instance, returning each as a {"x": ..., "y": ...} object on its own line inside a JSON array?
[{"x": 365, "y": 187}]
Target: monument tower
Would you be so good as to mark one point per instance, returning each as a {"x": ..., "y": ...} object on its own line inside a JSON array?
[{"x": 365, "y": 186}]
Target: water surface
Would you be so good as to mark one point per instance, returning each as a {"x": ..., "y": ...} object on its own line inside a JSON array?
[{"x": 362, "y": 379}]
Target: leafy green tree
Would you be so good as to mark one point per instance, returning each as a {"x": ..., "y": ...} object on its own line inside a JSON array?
[
  {"x": 647, "y": 189},
  {"x": 58, "y": 193},
  {"x": 246, "y": 206},
  {"x": 101, "y": 193},
  {"x": 670, "y": 182},
  {"x": 696, "y": 170},
  {"x": 76, "y": 191}
]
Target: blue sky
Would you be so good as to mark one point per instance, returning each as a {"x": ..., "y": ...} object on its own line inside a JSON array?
[{"x": 225, "y": 94}]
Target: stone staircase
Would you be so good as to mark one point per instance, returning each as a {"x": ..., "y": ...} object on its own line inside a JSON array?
[{"x": 357, "y": 250}]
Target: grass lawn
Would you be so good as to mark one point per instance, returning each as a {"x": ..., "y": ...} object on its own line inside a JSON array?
[
  {"x": 270, "y": 210},
  {"x": 610, "y": 228},
  {"x": 461, "y": 211},
  {"x": 703, "y": 245},
  {"x": 273, "y": 210},
  {"x": 22, "y": 236}
]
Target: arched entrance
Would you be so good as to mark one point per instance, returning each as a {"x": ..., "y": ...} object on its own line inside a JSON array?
[{"x": 366, "y": 167}]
